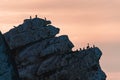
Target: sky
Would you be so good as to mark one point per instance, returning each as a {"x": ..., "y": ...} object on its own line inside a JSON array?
[{"x": 84, "y": 21}]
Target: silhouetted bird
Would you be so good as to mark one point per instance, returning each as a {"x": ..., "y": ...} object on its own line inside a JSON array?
[
  {"x": 80, "y": 49},
  {"x": 93, "y": 46},
  {"x": 14, "y": 26},
  {"x": 88, "y": 46},
  {"x": 30, "y": 17},
  {"x": 83, "y": 48},
  {"x": 45, "y": 18},
  {"x": 77, "y": 50},
  {"x": 36, "y": 16}
]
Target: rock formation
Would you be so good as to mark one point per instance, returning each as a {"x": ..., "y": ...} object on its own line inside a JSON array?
[
  {"x": 8, "y": 71},
  {"x": 40, "y": 55}
]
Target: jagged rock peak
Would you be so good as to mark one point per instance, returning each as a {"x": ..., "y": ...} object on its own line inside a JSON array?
[{"x": 30, "y": 31}]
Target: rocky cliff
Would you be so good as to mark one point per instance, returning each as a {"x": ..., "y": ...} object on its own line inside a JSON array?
[{"x": 40, "y": 55}]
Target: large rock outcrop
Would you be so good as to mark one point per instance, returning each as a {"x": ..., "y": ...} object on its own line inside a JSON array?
[{"x": 40, "y": 55}]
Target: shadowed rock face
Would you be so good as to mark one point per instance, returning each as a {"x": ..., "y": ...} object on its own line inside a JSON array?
[
  {"x": 40, "y": 55},
  {"x": 7, "y": 69}
]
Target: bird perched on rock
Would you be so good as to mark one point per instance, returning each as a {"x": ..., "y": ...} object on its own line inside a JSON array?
[{"x": 88, "y": 46}]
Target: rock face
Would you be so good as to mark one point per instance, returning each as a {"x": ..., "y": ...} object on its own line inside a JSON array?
[
  {"x": 40, "y": 55},
  {"x": 7, "y": 69},
  {"x": 30, "y": 31}
]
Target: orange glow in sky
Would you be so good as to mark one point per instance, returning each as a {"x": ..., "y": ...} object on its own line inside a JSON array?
[{"x": 84, "y": 21}]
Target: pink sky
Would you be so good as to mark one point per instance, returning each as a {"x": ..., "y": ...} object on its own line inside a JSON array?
[{"x": 84, "y": 21}]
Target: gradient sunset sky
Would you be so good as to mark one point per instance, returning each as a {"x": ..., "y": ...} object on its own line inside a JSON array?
[{"x": 84, "y": 21}]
